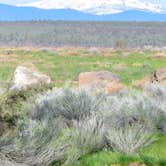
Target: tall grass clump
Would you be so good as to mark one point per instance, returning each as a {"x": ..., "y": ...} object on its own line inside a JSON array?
[
  {"x": 86, "y": 136},
  {"x": 130, "y": 138}
]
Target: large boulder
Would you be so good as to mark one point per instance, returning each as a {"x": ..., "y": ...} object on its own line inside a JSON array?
[
  {"x": 160, "y": 75},
  {"x": 102, "y": 81},
  {"x": 24, "y": 77}
]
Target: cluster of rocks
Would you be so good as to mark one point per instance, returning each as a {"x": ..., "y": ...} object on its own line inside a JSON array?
[{"x": 94, "y": 81}]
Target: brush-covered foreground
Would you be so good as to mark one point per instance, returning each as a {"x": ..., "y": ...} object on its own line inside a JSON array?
[
  {"x": 63, "y": 126},
  {"x": 71, "y": 127}
]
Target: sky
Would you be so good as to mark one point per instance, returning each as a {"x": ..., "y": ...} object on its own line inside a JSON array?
[{"x": 94, "y": 6}]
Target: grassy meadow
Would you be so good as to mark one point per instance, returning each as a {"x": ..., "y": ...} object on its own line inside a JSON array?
[{"x": 64, "y": 65}]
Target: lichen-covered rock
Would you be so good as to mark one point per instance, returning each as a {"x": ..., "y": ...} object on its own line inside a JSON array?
[
  {"x": 24, "y": 77},
  {"x": 102, "y": 81}
]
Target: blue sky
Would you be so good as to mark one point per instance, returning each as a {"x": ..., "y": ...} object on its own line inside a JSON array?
[
  {"x": 15, "y": 2},
  {"x": 94, "y": 6}
]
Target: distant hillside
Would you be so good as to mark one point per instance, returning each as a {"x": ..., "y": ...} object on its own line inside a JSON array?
[
  {"x": 84, "y": 34},
  {"x": 13, "y": 13}
]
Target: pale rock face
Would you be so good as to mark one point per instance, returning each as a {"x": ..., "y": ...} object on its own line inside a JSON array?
[
  {"x": 24, "y": 77},
  {"x": 102, "y": 81},
  {"x": 161, "y": 75}
]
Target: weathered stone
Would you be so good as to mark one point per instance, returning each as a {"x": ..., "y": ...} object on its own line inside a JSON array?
[
  {"x": 100, "y": 81},
  {"x": 160, "y": 75},
  {"x": 24, "y": 77}
]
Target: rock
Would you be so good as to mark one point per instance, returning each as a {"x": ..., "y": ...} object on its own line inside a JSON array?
[
  {"x": 160, "y": 75},
  {"x": 114, "y": 87},
  {"x": 24, "y": 77},
  {"x": 100, "y": 81}
]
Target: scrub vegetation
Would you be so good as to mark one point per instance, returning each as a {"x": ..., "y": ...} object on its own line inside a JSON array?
[{"x": 66, "y": 126}]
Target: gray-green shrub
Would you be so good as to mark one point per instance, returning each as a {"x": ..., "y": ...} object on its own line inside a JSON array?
[
  {"x": 65, "y": 124},
  {"x": 37, "y": 143},
  {"x": 130, "y": 138},
  {"x": 131, "y": 106},
  {"x": 67, "y": 103},
  {"x": 86, "y": 135}
]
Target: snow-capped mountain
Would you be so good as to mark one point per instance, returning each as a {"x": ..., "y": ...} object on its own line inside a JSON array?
[
  {"x": 102, "y": 6},
  {"x": 15, "y": 13}
]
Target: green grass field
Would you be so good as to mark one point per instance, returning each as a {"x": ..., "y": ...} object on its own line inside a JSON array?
[{"x": 65, "y": 65}]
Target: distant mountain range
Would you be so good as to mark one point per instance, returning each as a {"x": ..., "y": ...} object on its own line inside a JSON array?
[{"x": 14, "y": 13}]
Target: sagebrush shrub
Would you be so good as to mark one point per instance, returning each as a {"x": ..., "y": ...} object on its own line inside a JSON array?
[
  {"x": 86, "y": 135},
  {"x": 131, "y": 106},
  {"x": 63, "y": 125},
  {"x": 37, "y": 143},
  {"x": 157, "y": 94},
  {"x": 67, "y": 103},
  {"x": 130, "y": 138}
]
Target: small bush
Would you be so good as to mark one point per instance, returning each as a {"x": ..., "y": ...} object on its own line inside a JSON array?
[
  {"x": 87, "y": 135},
  {"x": 157, "y": 94},
  {"x": 13, "y": 103},
  {"x": 131, "y": 106},
  {"x": 67, "y": 103},
  {"x": 130, "y": 138},
  {"x": 37, "y": 143}
]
